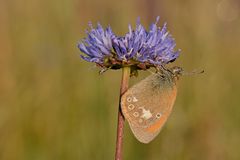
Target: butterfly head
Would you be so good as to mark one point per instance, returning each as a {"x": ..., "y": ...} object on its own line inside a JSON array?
[{"x": 176, "y": 71}]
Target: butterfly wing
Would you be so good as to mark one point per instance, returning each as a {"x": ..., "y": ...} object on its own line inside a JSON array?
[{"x": 148, "y": 104}]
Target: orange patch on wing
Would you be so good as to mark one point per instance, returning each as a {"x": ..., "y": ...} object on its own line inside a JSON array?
[
  {"x": 153, "y": 128},
  {"x": 156, "y": 126}
]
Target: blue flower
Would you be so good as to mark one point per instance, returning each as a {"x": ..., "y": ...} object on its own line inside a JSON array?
[
  {"x": 139, "y": 47},
  {"x": 97, "y": 45}
]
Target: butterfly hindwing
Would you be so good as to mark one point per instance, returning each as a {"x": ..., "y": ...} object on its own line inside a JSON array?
[{"x": 147, "y": 105}]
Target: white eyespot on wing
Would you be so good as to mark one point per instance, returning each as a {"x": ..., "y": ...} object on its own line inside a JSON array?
[
  {"x": 131, "y": 106},
  {"x": 129, "y": 99},
  {"x": 146, "y": 114},
  {"x": 135, "y": 99},
  {"x": 158, "y": 115},
  {"x": 135, "y": 114}
]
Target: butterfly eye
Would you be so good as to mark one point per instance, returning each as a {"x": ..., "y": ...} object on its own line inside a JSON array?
[
  {"x": 177, "y": 70},
  {"x": 135, "y": 114},
  {"x": 131, "y": 106},
  {"x": 129, "y": 99},
  {"x": 158, "y": 115}
]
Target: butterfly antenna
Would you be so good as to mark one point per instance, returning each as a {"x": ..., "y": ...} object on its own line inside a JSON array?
[{"x": 194, "y": 72}]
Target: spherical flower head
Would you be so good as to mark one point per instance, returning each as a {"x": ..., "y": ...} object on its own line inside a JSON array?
[{"x": 139, "y": 48}]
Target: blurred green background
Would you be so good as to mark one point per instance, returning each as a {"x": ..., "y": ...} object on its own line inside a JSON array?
[{"x": 54, "y": 106}]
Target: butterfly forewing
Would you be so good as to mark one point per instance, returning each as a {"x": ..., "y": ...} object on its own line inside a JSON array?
[{"x": 147, "y": 105}]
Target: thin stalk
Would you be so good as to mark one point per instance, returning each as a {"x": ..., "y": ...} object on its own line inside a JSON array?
[{"x": 120, "y": 125}]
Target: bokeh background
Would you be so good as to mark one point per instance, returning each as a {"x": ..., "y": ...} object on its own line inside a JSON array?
[{"x": 53, "y": 105}]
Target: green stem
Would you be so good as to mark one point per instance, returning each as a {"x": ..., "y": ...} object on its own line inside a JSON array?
[{"x": 120, "y": 125}]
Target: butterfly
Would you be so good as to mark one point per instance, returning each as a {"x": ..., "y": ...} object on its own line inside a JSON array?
[{"x": 147, "y": 105}]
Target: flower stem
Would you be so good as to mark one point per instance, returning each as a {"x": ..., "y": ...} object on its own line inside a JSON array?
[{"x": 120, "y": 125}]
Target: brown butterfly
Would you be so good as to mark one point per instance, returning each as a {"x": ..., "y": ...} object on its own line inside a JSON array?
[{"x": 148, "y": 104}]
